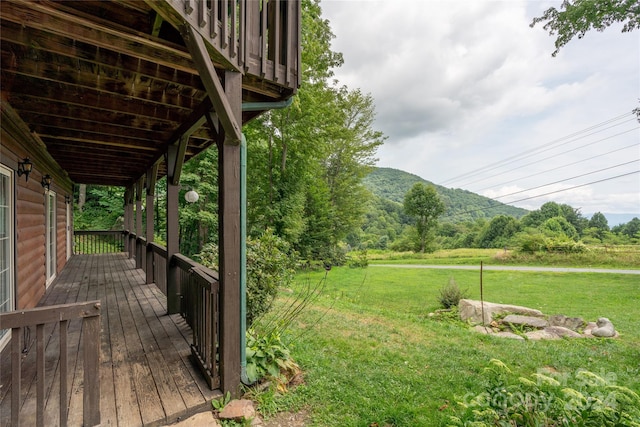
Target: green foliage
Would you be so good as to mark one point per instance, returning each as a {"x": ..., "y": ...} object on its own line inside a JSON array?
[
  {"x": 103, "y": 209},
  {"x": 219, "y": 404},
  {"x": 544, "y": 399},
  {"x": 266, "y": 356},
  {"x": 270, "y": 265},
  {"x": 559, "y": 226},
  {"x": 358, "y": 259},
  {"x": 576, "y": 17},
  {"x": 532, "y": 240},
  {"x": 425, "y": 206},
  {"x": 451, "y": 294},
  {"x": 498, "y": 232}
]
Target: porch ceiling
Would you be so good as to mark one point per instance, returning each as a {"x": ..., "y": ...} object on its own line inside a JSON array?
[{"x": 106, "y": 86}]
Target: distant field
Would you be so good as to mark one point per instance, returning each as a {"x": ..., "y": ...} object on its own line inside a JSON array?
[
  {"x": 627, "y": 256},
  {"x": 372, "y": 356}
]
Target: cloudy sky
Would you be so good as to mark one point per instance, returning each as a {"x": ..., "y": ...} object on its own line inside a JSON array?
[{"x": 470, "y": 97}]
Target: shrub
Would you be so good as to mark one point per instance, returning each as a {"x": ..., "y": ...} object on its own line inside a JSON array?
[
  {"x": 267, "y": 356},
  {"x": 270, "y": 264},
  {"x": 451, "y": 294},
  {"x": 358, "y": 259},
  {"x": 583, "y": 399}
]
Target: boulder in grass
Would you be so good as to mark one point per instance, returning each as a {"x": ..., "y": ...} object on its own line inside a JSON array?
[
  {"x": 472, "y": 310},
  {"x": 604, "y": 328}
]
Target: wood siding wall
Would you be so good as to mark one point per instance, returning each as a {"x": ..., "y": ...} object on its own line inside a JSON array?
[{"x": 29, "y": 203}]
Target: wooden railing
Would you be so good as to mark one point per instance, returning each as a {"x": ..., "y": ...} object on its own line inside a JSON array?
[
  {"x": 200, "y": 292},
  {"x": 98, "y": 242},
  {"x": 48, "y": 318},
  {"x": 259, "y": 37},
  {"x": 158, "y": 270}
]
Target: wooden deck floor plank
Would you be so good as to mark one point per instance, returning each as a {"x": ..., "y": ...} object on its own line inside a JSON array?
[
  {"x": 125, "y": 399},
  {"x": 145, "y": 388},
  {"x": 108, "y": 411},
  {"x": 194, "y": 387},
  {"x": 176, "y": 357},
  {"x": 76, "y": 362},
  {"x": 170, "y": 396}
]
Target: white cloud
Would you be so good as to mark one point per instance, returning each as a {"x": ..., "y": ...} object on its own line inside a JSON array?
[{"x": 461, "y": 84}]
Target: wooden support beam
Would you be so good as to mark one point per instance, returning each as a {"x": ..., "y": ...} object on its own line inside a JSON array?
[
  {"x": 175, "y": 159},
  {"x": 229, "y": 232},
  {"x": 173, "y": 247},
  {"x": 139, "y": 188},
  {"x": 152, "y": 175},
  {"x": 222, "y": 101}
]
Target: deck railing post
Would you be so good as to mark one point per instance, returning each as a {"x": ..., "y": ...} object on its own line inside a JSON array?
[{"x": 173, "y": 285}]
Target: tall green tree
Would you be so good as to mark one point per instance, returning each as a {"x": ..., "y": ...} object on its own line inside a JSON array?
[
  {"x": 576, "y": 17},
  {"x": 306, "y": 162},
  {"x": 424, "y": 205}
]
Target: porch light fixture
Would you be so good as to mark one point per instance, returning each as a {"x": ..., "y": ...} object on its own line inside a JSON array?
[
  {"x": 191, "y": 196},
  {"x": 46, "y": 181},
  {"x": 67, "y": 199},
  {"x": 25, "y": 167}
]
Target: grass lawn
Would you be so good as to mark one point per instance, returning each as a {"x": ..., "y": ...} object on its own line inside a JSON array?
[
  {"x": 624, "y": 257},
  {"x": 371, "y": 354}
]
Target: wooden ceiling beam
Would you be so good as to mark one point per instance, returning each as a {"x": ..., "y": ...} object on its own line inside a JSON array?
[
  {"x": 97, "y": 139},
  {"x": 60, "y": 110},
  {"x": 91, "y": 127},
  {"x": 80, "y": 97},
  {"x": 47, "y": 17},
  {"x": 102, "y": 60}
]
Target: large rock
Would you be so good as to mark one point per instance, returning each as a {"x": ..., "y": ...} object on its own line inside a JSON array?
[
  {"x": 472, "y": 310},
  {"x": 238, "y": 410},
  {"x": 573, "y": 323},
  {"x": 604, "y": 329},
  {"x": 518, "y": 319},
  {"x": 563, "y": 332}
]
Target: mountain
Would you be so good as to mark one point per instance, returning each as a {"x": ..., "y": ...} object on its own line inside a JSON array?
[{"x": 462, "y": 205}]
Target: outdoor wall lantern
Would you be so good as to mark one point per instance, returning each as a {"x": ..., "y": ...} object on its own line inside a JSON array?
[
  {"x": 24, "y": 168},
  {"x": 46, "y": 181},
  {"x": 67, "y": 199},
  {"x": 191, "y": 196}
]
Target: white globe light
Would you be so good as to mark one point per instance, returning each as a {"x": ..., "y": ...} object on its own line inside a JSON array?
[{"x": 191, "y": 196}]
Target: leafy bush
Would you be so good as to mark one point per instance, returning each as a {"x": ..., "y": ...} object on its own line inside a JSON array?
[
  {"x": 358, "y": 259},
  {"x": 451, "y": 294},
  {"x": 267, "y": 356},
  {"x": 584, "y": 399},
  {"x": 270, "y": 264}
]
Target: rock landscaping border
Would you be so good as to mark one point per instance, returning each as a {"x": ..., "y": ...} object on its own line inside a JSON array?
[{"x": 517, "y": 322}]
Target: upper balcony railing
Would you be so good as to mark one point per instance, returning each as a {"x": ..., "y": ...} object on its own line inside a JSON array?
[{"x": 260, "y": 38}]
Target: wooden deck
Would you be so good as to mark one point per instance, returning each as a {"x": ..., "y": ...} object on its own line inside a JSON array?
[{"x": 147, "y": 376}]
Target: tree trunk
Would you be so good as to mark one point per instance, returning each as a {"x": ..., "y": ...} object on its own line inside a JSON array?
[{"x": 82, "y": 196}]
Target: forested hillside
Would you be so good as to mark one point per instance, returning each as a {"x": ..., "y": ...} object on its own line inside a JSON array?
[{"x": 461, "y": 205}]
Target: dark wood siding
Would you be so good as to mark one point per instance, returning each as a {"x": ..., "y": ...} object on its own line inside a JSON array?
[{"x": 30, "y": 210}]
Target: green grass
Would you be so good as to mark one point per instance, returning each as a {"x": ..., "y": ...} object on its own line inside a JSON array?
[
  {"x": 595, "y": 257},
  {"x": 371, "y": 354}
]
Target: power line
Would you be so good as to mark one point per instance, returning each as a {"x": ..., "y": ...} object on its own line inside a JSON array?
[
  {"x": 567, "y": 179},
  {"x": 574, "y": 187},
  {"x": 560, "y": 167},
  {"x": 554, "y": 142},
  {"x": 498, "y": 204},
  {"x": 551, "y": 157}
]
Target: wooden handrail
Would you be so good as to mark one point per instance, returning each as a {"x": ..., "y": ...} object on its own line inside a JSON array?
[{"x": 17, "y": 320}]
